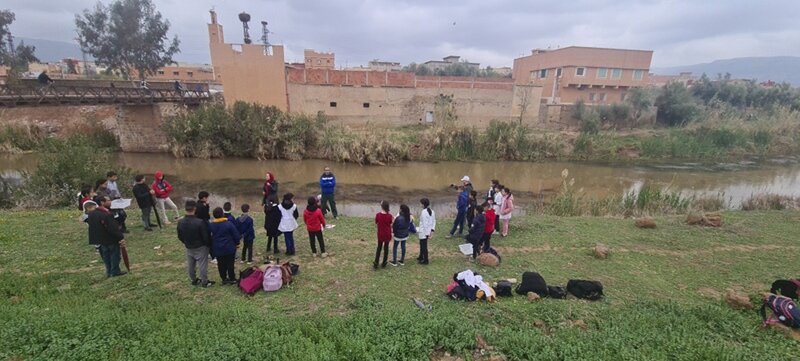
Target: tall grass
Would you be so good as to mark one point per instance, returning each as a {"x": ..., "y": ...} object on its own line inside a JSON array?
[
  {"x": 500, "y": 141},
  {"x": 26, "y": 137}
]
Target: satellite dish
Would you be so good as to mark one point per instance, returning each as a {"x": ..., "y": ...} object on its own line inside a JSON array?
[{"x": 244, "y": 17}]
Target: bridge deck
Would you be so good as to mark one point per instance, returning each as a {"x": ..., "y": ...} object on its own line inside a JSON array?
[{"x": 26, "y": 95}]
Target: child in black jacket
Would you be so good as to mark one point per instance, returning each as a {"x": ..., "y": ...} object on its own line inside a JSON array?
[{"x": 144, "y": 198}]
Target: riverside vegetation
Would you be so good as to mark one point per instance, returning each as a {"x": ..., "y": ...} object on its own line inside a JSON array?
[{"x": 662, "y": 299}]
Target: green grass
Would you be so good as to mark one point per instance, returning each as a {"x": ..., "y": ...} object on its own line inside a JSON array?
[{"x": 56, "y": 303}]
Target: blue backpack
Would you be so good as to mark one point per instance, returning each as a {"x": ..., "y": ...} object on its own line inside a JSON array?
[{"x": 784, "y": 310}]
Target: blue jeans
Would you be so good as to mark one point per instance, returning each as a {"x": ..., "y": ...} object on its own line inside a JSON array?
[
  {"x": 289, "y": 238},
  {"x": 459, "y": 223},
  {"x": 111, "y": 256},
  {"x": 402, "y": 243}
]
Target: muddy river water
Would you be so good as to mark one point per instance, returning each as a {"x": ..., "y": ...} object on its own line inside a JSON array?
[{"x": 359, "y": 188}]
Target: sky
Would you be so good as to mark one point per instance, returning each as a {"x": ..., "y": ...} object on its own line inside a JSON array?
[{"x": 491, "y": 32}]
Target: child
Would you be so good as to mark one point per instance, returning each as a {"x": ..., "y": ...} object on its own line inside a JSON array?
[
  {"x": 383, "y": 220},
  {"x": 400, "y": 230},
  {"x": 472, "y": 201},
  {"x": 489, "y": 229},
  {"x": 272, "y": 219},
  {"x": 476, "y": 231},
  {"x": 144, "y": 198},
  {"x": 202, "y": 210},
  {"x": 506, "y": 209},
  {"x": 314, "y": 220},
  {"x": 498, "y": 201},
  {"x": 226, "y": 208},
  {"x": 162, "y": 189},
  {"x": 245, "y": 224},
  {"x": 111, "y": 184},
  {"x": 87, "y": 194},
  {"x": 224, "y": 239},
  {"x": 427, "y": 225},
  {"x": 288, "y": 221}
]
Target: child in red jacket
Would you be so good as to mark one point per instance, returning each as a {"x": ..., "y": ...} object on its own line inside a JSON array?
[
  {"x": 383, "y": 220},
  {"x": 315, "y": 221},
  {"x": 162, "y": 189},
  {"x": 490, "y": 219}
]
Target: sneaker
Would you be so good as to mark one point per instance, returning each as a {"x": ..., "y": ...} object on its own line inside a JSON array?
[
  {"x": 208, "y": 284},
  {"x": 448, "y": 236},
  {"x": 167, "y": 223},
  {"x": 314, "y": 255},
  {"x": 229, "y": 282},
  {"x": 149, "y": 229},
  {"x": 196, "y": 282},
  {"x": 250, "y": 262},
  {"x": 423, "y": 262},
  {"x": 375, "y": 265},
  {"x": 121, "y": 273},
  {"x": 176, "y": 218},
  {"x": 394, "y": 264},
  {"x": 323, "y": 255},
  {"x": 401, "y": 263},
  {"x": 214, "y": 260},
  {"x": 383, "y": 265}
]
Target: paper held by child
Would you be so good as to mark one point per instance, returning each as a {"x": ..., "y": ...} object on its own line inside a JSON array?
[
  {"x": 121, "y": 203},
  {"x": 329, "y": 226},
  {"x": 465, "y": 248}
]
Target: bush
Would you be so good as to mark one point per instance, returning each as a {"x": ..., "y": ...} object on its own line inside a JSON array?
[{"x": 676, "y": 107}]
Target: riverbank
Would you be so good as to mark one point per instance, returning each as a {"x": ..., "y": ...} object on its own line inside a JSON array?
[{"x": 662, "y": 288}]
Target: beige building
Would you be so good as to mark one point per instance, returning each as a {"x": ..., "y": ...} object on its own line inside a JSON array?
[
  {"x": 188, "y": 73},
  {"x": 594, "y": 75},
  {"x": 378, "y": 65},
  {"x": 316, "y": 60},
  {"x": 435, "y": 65}
]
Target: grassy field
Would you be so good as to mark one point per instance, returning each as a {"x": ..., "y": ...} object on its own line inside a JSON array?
[{"x": 661, "y": 300}]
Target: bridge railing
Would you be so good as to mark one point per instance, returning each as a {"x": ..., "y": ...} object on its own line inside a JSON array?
[{"x": 19, "y": 95}]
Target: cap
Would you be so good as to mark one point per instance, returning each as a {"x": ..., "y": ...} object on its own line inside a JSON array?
[
  {"x": 159, "y": 174},
  {"x": 465, "y": 178}
]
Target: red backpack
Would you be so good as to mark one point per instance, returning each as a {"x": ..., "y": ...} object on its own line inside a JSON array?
[{"x": 252, "y": 282}]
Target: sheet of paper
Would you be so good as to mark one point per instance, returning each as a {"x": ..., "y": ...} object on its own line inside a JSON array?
[
  {"x": 121, "y": 203},
  {"x": 466, "y": 249}
]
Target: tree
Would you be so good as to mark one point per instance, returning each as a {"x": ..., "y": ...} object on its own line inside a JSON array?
[
  {"x": 127, "y": 36},
  {"x": 676, "y": 106},
  {"x": 15, "y": 57},
  {"x": 641, "y": 100}
]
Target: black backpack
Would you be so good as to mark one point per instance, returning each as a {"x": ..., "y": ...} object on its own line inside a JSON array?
[
  {"x": 556, "y": 292},
  {"x": 503, "y": 289},
  {"x": 589, "y": 290},
  {"x": 532, "y": 282}
]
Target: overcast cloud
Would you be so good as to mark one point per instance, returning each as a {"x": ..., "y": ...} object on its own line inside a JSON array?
[{"x": 490, "y": 32}]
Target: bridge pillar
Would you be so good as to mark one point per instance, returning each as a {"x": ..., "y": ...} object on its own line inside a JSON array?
[{"x": 138, "y": 127}]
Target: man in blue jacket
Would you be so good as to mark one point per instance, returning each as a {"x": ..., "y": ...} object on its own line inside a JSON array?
[
  {"x": 224, "y": 239},
  {"x": 461, "y": 207},
  {"x": 327, "y": 182}
]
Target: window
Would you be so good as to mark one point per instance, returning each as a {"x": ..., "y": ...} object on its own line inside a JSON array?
[
  {"x": 602, "y": 73},
  {"x": 592, "y": 97},
  {"x": 638, "y": 74},
  {"x": 602, "y": 97},
  {"x": 558, "y": 73},
  {"x": 160, "y": 72},
  {"x": 176, "y": 73},
  {"x": 580, "y": 71},
  {"x": 190, "y": 74},
  {"x": 542, "y": 73},
  {"x": 319, "y": 62},
  {"x": 333, "y": 104},
  {"x": 365, "y": 105},
  {"x": 616, "y": 73}
]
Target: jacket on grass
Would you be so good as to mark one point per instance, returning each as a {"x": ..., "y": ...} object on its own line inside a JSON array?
[
  {"x": 245, "y": 224},
  {"x": 224, "y": 237},
  {"x": 193, "y": 232},
  {"x": 327, "y": 183},
  {"x": 103, "y": 229},
  {"x": 142, "y": 194}
]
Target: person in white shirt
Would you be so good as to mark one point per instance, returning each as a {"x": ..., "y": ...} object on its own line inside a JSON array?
[{"x": 427, "y": 225}]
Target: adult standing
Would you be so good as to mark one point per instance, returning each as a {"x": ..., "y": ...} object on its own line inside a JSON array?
[
  {"x": 193, "y": 233},
  {"x": 270, "y": 188},
  {"x": 461, "y": 208},
  {"x": 327, "y": 183},
  {"x": 162, "y": 189},
  {"x": 105, "y": 233},
  {"x": 144, "y": 198},
  {"x": 224, "y": 237},
  {"x": 506, "y": 209}
]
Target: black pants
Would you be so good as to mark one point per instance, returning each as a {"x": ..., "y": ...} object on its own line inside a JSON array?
[
  {"x": 486, "y": 239},
  {"x": 272, "y": 243},
  {"x": 385, "y": 246},
  {"x": 423, "y": 250},
  {"x": 318, "y": 236},
  {"x": 476, "y": 247},
  {"x": 247, "y": 250},
  {"x": 497, "y": 223},
  {"x": 225, "y": 267}
]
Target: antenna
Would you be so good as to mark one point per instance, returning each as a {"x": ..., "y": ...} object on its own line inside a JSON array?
[
  {"x": 265, "y": 33},
  {"x": 245, "y": 18}
]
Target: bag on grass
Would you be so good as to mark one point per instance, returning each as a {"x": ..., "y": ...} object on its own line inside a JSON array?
[
  {"x": 784, "y": 310},
  {"x": 286, "y": 273},
  {"x": 246, "y": 272},
  {"x": 556, "y": 292},
  {"x": 532, "y": 282},
  {"x": 295, "y": 268},
  {"x": 494, "y": 252},
  {"x": 273, "y": 279},
  {"x": 250, "y": 283},
  {"x": 589, "y": 290},
  {"x": 503, "y": 289}
]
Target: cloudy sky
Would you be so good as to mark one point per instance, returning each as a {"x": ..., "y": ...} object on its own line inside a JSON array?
[{"x": 492, "y": 32}]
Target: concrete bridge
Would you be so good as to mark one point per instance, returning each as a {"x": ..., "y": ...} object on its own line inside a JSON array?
[{"x": 28, "y": 93}]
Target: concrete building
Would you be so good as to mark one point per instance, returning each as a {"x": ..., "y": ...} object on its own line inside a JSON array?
[
  {"x": 658, "y": 81},
  {"x": 594, "y": 75},
  {"x": 378, "y": 65},
  {"x": 188, "y": 73},
  {"x": 435, "y": 65},
  {"x": 316, "y": 60}
]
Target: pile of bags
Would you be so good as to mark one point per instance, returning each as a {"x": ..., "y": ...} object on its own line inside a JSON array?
[
  {"x": 469, "y": 286},
  {"x": 269, "y": 277}
]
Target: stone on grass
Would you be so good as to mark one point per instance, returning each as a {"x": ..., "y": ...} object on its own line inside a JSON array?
[
  {"x": 646, "y": 222},
  {"x": 601, "y": 251},
  {"x": 533, "y": 296}
]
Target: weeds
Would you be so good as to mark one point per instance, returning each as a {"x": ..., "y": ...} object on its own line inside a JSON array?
[{"x": 770, "y": 202}]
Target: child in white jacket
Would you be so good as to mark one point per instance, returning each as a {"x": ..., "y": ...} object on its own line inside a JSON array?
[{"x": 427, "y": 225}]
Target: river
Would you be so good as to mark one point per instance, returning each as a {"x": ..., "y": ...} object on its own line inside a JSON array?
[{"x": 359, "y": 188}]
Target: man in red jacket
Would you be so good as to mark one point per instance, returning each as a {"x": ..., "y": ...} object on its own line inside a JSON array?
[{"x": 162, "y": 189}]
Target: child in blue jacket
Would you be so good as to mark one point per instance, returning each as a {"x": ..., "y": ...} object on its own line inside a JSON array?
[
  {"x": 224, "y": 240},
  {"x": 245, "y": 225}
]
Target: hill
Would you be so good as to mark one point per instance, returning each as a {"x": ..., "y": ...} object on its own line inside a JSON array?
[{"x": 775, "y": 68}]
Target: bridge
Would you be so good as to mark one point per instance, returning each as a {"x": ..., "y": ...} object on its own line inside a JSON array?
[{"x": 29, "y": 93}]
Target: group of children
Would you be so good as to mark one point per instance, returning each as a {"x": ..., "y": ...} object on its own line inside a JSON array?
[
  {"x": 483, "y": 220},
  {"x": 398, "y": 228}
]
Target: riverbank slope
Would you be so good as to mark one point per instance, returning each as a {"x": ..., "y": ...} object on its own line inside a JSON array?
[{"x": 661, "y": 291}]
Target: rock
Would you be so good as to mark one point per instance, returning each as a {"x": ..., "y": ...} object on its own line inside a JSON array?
[
  {"x": 646, "y": 222},
  {"x": 738, "y": 301},
  {"x": 533, "y": 296},
  {"x": 488, "y": 259},
  {"x": 707, "y": 220},
  {"x": 601, "y": 251},
  {"x": 694, "y": 219},
  {"x": 538, "y": 323}
]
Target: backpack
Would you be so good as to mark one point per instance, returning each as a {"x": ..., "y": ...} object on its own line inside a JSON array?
[
  {"x": 556, "y": 292},
  {"x": 784, "y": 310},
  {"x": 503, "y": 289},
  {"x": 494, "y": 252},
  {"x": 532, "y": 282},
  {"x": 590, "y": 290},
  {"x": 789, "y": 288},
  {"x": 286, "y": 273},
  {"x": 273, "y": 279},
  {"x": 488, "y": 259},
  {"x": 251, "y": 282},
  {"x": 246, "y": 272},
  {"x": 295, "y": 268}
]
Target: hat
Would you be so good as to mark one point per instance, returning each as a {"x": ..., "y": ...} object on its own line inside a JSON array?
[
  {"x": 159, "y": 174},
  {"x": 465, "y": 178}
]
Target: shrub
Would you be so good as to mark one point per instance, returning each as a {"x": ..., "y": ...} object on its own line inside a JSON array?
[{"x": 676, "y": 106}]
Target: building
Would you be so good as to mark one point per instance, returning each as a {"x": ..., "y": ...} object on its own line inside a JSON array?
[
  {"x": 594, "y": 75},
  {"x": 435, "y": 65},
  {"x": 503, "y": 70},
  {"x": 658, "y": 81},
  {"x": 378, "y": 65},
  {"x": 188, "y": 73},
  {"x": 315, "y": 60}
]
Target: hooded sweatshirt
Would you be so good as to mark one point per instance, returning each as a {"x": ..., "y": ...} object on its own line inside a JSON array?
[{"x": 313, "y": 218}]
